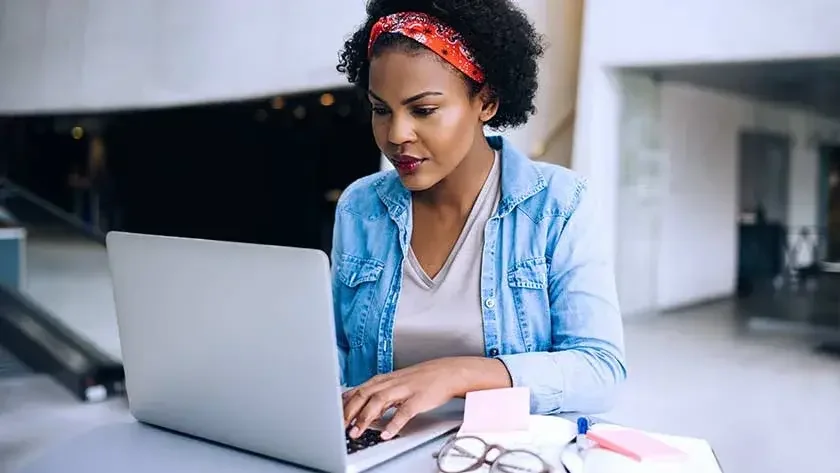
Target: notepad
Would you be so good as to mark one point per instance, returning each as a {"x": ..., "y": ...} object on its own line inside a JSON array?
[
  {"x": 495, "y": 411},
  {"x": 635, "y": 444}
]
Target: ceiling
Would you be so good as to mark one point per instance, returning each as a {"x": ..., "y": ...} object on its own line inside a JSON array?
[{"x": 810, "y": 84}]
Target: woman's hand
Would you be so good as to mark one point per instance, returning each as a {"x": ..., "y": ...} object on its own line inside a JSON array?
[{"x": 418, "y": 389}]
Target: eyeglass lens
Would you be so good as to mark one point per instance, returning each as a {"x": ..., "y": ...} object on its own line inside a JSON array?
[{"x": 518, "y": 461}]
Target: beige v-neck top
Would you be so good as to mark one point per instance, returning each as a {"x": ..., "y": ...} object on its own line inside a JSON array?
[{"x": 441, "y": 316}]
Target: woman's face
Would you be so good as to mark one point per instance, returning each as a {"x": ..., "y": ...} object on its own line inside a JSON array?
[{"x": 424, "y": 118}]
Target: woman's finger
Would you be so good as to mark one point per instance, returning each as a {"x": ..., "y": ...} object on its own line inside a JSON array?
[
  {"x": 355, "y": 402},
  {"x": 405, "y": 412},
  {"x": 372, "y": 411},
  {"x": 347, "y": 395},
  {"x": 369, "y": 386}
]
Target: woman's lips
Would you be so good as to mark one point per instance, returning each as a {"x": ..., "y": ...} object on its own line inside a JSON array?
[{"x": 406, "y": 164}]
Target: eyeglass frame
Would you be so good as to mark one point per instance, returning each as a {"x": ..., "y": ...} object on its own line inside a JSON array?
[{"x": 482, "y": 460}]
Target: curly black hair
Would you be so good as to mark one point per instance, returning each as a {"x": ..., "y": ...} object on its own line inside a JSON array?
[{"x": 499, "y": 34}]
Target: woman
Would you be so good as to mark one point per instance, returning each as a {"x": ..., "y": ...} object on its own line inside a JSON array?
[{"x": 469, "y": 267}]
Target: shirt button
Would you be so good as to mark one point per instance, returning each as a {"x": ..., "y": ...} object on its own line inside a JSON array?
[
  {"x": 490, "y": 302},
  {"x": 494, "y": 352}
]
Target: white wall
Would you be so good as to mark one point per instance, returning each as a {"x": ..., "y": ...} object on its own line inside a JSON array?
[
  {"x": 695, "y": 238},
  {"x": 102, "y": 54},
  {"x": 647, "y": 32},
  {"x": 697, "y": 255},
  {"x": 619, "y": 33}
]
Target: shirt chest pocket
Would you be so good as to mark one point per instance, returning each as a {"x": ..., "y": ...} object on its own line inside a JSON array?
[
  {"x": 528, "y": 282},
  {"x": 359, "y": 277}
]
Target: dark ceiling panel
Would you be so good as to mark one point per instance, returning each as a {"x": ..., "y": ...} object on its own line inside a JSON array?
[{"x": 810, "y": 84}]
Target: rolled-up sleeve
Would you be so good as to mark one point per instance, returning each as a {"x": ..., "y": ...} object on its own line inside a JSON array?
[{"x": 585, "y": 365}]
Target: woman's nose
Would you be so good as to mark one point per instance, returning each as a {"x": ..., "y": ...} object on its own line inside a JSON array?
[{"x": 401, "y": 129}]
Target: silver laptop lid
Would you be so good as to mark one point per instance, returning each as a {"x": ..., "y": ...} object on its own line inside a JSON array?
[{"x": 231, "y": 342}]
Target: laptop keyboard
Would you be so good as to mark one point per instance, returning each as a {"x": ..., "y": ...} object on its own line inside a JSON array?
[{"x": 369, "y": 438}]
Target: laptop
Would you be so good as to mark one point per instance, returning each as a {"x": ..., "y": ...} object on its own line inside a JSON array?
[{"x": 235, "y": 343}]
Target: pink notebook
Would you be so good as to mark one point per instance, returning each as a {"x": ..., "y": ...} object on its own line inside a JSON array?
[{"x": 635, "y": 444}]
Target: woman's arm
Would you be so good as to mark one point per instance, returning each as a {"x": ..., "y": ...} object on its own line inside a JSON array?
[{"x": 586, "y": 361}]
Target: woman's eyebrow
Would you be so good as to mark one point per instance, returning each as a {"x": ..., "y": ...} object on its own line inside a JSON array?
[{"x": 407, "y": 101}]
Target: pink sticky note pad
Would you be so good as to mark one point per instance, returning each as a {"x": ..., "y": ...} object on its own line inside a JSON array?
[
  {"x": 635, "y": 444},
  {"x": 497, "y": 411}
]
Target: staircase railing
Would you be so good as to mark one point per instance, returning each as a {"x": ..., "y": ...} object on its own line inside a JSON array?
[
  {"x": 32, "y": 333},
  {"x": 9, "y": 190},
  {"x": 561, "y": 127}
]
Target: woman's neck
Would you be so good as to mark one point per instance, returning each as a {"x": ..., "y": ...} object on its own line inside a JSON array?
[{"x": 459, "y": 190}]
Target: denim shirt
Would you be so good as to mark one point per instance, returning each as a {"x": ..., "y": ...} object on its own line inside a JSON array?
[{"x": 548, "y": 298}]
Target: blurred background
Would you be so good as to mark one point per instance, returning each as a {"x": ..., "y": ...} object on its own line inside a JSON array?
[{"x": 710, "y": 130}]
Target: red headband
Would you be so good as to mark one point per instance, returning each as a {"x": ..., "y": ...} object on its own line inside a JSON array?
[{"x": 432, "y": 33}]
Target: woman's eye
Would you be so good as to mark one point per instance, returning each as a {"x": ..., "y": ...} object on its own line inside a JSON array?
[
  {"x": 424, "y": 111},
  {"x": 380, "y": 110}
]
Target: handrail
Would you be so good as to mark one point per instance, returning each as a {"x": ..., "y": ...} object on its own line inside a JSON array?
[
  {"x": 10, "y": 189},
  {"x": 561, "y": 127},
  {"x": 570, "y": 39}
]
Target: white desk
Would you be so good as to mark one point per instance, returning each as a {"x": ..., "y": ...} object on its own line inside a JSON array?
[{"x": 133, "y": 447}]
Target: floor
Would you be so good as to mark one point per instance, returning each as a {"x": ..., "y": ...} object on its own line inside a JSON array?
[
  {"x": 765, "y": 400},
  {"x": 69, "y": 277},
  {"x": 761, "y": 399}
]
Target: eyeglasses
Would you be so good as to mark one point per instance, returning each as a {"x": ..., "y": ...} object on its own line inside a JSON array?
[{"x": 464, "y": 454}]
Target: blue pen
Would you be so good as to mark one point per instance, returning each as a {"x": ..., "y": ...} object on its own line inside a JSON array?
[
  {"x": 575, "y": 451},
  {"x": 583, "y": 425}
]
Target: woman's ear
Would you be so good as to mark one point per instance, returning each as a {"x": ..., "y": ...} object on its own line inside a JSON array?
[{"x": 489, "y": 104}]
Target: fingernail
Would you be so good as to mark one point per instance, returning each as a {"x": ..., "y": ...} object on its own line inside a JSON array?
[
  {"x": 385, "y": 435},
  {"x": 354, "y": 432}
]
